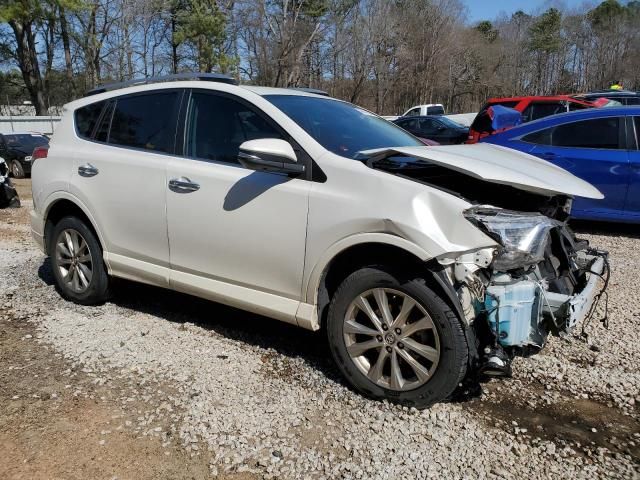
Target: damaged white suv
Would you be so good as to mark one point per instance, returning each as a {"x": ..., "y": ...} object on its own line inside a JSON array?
[{"x": 423, "y": 264}]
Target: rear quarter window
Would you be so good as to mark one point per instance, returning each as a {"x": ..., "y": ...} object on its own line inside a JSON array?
[{"x": 86, "y": 119}]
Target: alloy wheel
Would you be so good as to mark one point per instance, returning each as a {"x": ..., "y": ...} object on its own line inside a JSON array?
[
  {"x": 392, "y": 339},
  {"x": 73, "y": 260}
]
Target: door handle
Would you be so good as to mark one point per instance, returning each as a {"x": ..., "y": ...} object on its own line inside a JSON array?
[
  {"x": 87, "y": 170},
  {"x": 183, "y": 185}
]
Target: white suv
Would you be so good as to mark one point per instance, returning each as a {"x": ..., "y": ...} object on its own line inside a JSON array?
[{"x": 423, "y": 264}]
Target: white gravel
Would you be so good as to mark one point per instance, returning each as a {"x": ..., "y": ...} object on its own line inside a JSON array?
[{"x": 258, "y": 396}]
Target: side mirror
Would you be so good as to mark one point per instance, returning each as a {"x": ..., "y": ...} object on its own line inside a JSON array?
[{"x": 269, "y": 155}]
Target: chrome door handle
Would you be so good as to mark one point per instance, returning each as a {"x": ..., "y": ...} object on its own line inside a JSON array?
[
  {"x": 183, "y": 185},
  {"x": 87, "y": 170}
]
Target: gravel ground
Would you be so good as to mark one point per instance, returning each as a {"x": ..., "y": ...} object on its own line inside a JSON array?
[{"x": 258, "y": 398}]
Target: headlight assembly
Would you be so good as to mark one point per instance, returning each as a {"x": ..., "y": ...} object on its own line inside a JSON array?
[{"x": 523, "y": 236}]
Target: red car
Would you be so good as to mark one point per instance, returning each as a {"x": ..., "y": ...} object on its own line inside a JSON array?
[{"x": 531, "y": 108}]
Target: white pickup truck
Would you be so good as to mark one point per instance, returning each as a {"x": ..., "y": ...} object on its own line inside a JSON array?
[{"x": 427, "y": 109}]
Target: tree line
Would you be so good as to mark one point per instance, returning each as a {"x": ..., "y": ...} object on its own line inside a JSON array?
[{"x": 386, "y": 55}]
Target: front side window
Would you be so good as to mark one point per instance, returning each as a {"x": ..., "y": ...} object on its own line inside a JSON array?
[
  {"x": 413, "y": 112},
  {"x": 217, "y": 125},
  {"x": 145, "y": 121},
  {"x": 429, "y": 126},
  {"x": 636, "y": 121},
  {"x": 86, "y": 118},
  {"x": 340, "y": 127}
]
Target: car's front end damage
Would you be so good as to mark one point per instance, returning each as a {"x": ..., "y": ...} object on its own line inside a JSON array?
[
  {"x": 534, "y": 277},
  {"x": 540, "y": 280}
]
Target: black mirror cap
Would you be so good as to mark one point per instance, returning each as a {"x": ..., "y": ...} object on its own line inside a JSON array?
[{"x": 273, "y": 163}]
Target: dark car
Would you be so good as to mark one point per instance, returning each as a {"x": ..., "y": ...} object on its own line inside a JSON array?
[
  {"x": 625, "y": 97},
  {"x": 16, "y": 149},
  {"x": 438, "y": 128}
]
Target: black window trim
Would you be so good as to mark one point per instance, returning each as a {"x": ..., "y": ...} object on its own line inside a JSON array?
[
  {"x": 312, "y": 171},
  {"x": 622, "y": 137},
  {"x": 173, "y": 150}
]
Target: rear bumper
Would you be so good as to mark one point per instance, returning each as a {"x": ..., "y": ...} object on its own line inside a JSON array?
[{"x": 37, "y": 230}]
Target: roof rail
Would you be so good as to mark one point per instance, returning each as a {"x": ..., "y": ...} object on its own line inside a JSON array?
[
  {"x": 207, "y": 77},
  {"x": 310, "y": 90}
]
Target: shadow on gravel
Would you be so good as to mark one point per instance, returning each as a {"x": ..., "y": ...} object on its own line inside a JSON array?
[
  {"x": 253, "y": 329},
  {"x": 240, "y": 325},
  {"x": 45, "y": 273},
  {"x": 606, "y": 228}
]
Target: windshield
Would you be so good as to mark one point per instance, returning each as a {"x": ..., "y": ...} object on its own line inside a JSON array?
[
  {"x": 25, "y": 140},
  {"x": 341, "y": 127}
]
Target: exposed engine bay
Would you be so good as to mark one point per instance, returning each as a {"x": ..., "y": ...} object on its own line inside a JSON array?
[{"x": 540, "y": 280}]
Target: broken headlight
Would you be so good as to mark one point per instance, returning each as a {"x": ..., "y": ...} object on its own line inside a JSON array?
[{"x": 523, "y": 236}]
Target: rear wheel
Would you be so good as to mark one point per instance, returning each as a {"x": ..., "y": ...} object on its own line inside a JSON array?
[
  {"x": 16, "y": 169},
  {"x": 78, "y": 267},
  {"x": 394, "y": 338}
]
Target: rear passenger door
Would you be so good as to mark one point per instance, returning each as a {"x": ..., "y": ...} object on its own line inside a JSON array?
[
  {"x": 234, "y": 232},
  {"x": 120, "y": 174},
  {"x": 594, "y": 150}
]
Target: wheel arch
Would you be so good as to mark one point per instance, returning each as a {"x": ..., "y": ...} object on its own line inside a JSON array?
[
  {"x": 62, "y": 206},
  {"x": 376, "y": 249}
]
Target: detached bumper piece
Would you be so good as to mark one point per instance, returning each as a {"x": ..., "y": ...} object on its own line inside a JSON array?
[
  {"x": 568, "y": 310},
  {"x": 8, "y": 195}
]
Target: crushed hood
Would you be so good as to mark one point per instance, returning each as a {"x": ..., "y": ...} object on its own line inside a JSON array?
[{"x": 497, "y": 164}]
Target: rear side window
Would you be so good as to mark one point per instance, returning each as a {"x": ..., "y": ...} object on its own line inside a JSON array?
[
  {"x": 541, "y": 110},
  {"x": 632, "y": 101},
  {"x": 435, "y": 110},
  {"x": 596, "y": 133},
  {"x": 86, "y": 118},
  {"x": 145, "y": 121}
]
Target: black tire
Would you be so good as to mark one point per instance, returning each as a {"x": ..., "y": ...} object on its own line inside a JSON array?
[
  {"x": 454, "y": 351},
  {"x": 98, "y": 290},
  {"x": 17, "y": 171}
]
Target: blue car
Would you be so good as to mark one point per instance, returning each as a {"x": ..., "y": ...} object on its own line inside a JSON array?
[{"x": 599, "y": 145}]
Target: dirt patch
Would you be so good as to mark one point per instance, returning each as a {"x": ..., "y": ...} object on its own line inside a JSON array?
[
  {"x": 51, "y": 430},
  {"x": 580, "y": 422}
]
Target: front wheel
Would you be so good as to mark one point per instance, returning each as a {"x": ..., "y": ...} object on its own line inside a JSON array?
[
  {"x": 78, "y": 267},
  {"x": 395, "y": 339}
]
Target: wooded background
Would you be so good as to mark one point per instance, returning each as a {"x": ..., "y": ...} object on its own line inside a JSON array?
[{"x": 386, "y": 55}]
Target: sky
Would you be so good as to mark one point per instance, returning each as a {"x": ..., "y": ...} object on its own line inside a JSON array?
[{"x": 490, "y": 9}]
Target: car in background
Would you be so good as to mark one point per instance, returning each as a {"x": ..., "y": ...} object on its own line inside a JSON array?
[
  {"x": 427, "y": 109},
  {"x": 437, "y": 128},
  {"x": 625, "y": 97},
  {"x": 531, "y": 107},
  {"x": 419, "y": 110},
  {"x": 597, "y": 145},
  {"x": 17, "y": 149}
]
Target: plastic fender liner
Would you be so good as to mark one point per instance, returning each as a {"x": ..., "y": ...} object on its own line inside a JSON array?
[{"x": 438, "y": 279}]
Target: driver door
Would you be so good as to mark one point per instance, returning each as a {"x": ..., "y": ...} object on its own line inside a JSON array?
[{"x": 233, "y": 231}]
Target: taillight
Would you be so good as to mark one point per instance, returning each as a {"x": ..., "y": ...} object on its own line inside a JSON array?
[{"x": 40, "y": 152}]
